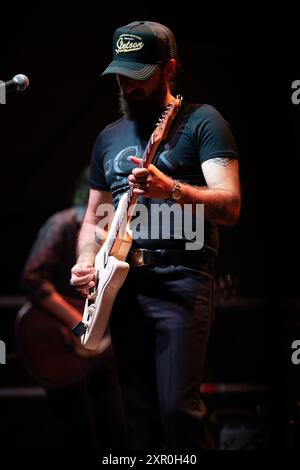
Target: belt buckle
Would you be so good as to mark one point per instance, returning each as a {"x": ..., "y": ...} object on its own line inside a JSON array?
[{"x": 137, "y": 257}]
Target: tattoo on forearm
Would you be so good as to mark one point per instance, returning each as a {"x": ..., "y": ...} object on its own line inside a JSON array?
[
  {"x": 215, "y": 208},
  {"x": 221, "y": 161}
]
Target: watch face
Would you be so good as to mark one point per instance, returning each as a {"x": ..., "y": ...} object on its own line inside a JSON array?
[{"x": 176, "y": 193}]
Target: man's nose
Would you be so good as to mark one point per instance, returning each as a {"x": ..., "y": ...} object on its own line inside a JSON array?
[{"x": 127, "y": 84}]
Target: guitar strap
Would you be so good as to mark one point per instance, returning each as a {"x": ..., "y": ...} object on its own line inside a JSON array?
[{"x": 184, "y": 109}]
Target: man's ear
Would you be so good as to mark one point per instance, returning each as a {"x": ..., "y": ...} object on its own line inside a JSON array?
[{"x": 170, "y": 69}]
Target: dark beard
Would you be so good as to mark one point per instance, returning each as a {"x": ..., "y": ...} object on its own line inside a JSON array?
[{"x": 144, "y": 112}]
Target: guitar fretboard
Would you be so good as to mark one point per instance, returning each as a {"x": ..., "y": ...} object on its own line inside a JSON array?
[{"x": 125, "y": 215}]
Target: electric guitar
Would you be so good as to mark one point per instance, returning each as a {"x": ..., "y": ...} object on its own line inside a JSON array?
[
  {"x": 49, "y": 351},
  {"x": 111, "y": 269}
]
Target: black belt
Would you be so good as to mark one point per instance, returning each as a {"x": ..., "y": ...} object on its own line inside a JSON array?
[{"x": 143, "y": 257}]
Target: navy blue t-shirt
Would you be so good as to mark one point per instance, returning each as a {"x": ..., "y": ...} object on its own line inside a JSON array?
[{"x": 199, "y": 133}]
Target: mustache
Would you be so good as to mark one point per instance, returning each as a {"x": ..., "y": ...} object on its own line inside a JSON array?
[
  {"x": 142, "y": 107},
  {"x": 134, "y": 95}
]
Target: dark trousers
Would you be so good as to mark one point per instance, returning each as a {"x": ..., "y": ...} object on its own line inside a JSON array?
[{"x": 160, "y": 326}]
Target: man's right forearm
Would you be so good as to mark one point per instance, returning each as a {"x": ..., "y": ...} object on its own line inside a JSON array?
[
  {"x": 94, "y": 227},
  {"x": 87, "y": 246}
]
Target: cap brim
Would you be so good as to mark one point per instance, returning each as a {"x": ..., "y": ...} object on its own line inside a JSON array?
[{"x": 133, "y": 70}]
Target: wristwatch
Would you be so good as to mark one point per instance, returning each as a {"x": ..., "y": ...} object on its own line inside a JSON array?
[{"x": 176, "y": 193}]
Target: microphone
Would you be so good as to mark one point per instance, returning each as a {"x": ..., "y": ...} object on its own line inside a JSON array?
[{"x": 19, "y": 83}]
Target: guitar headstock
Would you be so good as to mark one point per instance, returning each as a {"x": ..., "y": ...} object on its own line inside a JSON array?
[{"x": 165, "y": 121}]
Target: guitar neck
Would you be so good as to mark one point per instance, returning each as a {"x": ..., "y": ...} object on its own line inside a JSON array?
[{"x": 125, "y": 210}]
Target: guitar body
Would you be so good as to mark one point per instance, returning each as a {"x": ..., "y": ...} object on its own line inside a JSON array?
[
  {"x": 96, "y": 317},
  {"x": 47, "y": 349},
  {"x": 111, "y": 272}
]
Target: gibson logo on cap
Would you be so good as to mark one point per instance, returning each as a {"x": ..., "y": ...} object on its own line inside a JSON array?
[{"x": 128, "y": 43}]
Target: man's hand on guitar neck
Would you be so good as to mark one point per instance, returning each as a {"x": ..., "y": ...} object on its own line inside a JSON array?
[
  {"x": 150, "y": 182},
  {"x": 83, "y": 277}
]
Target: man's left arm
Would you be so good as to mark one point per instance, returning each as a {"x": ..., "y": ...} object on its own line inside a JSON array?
[{"x": 222, "y": 195}]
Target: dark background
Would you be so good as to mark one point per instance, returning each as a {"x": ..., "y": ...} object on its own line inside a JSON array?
[
  {"x": 48, "y": 132},
  {"x": 242, "y": 62},
  {"x": 241, "y": 67}
]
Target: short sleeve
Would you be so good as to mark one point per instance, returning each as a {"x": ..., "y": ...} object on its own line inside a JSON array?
[
  {"x": 97, "y": 178},
  {"x": 213, "y": 134}
]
